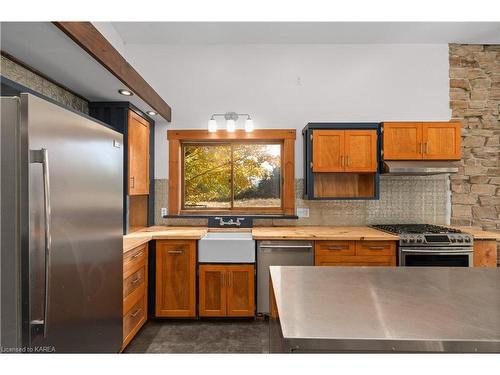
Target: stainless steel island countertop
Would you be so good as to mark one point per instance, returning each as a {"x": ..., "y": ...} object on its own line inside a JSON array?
[{"x": 374, "y": 309}]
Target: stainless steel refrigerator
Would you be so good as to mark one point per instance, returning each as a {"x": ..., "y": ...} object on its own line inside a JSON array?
[{"x": 61, "y": 220}]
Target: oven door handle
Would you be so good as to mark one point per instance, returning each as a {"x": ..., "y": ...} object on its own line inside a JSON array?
[{"x": 438, "y": 252}]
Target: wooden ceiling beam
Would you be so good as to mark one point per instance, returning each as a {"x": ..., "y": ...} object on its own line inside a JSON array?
[{"x": 96, "y": 45}]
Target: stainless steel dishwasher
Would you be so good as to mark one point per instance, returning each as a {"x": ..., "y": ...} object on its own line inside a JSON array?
[{"x": 278, "y": 253}]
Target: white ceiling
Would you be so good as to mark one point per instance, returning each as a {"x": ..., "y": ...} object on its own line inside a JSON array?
[
  {"x": 44, "y": 47},
  {"x": 308, "y": 32}
]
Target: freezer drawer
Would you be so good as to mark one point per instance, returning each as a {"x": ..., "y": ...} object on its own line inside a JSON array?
[{"x": 278, "y": 253}]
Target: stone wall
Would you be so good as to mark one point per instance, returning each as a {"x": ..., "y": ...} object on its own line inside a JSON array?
[
  {"x": 19, "y": 74},
  {"x": 475, "y": 100}
]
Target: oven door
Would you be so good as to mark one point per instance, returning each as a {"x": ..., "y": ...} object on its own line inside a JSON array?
[{"x": 436, "y": 257}]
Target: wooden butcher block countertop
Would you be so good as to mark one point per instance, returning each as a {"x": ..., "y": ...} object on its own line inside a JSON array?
[
  {"x": 322, "y": 233},
  {"x": 479, "y": 234},
  {"x": 132, "y": 240}
]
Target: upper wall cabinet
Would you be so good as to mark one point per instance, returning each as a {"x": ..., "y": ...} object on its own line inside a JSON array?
[
  {"x": 138, "y": 155},
  {"x": 422, "y": 140},
  {"x": 341, "y": 160},
  {"x": 344, "y": 150}
]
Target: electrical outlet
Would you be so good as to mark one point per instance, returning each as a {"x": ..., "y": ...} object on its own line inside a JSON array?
[
  {"x": 163, "y": 211},
  {"x": 303, "y": 212}
]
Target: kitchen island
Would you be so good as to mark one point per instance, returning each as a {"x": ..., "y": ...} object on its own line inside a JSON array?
[{"x": 385, "y": 309}]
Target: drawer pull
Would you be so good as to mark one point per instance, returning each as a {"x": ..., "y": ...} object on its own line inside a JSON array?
[
  {"x": 136, "y": 280},
  {"x": 136, "y": 312},
  {"x": 137, "y": 255},
  {"x": 175, "y": 251},
  {"x": 336, "y": 247},
  {"x": 376, "y": 247}
]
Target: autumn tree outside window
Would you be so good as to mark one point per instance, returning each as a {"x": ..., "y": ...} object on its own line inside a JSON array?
[{"x": 233, "y": 173}]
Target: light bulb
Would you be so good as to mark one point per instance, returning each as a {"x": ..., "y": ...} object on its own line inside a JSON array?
[
  {"x": 249, "y": 125},
  {"x": 212, "y": 126},
  {"x": 230, "y": 126}
]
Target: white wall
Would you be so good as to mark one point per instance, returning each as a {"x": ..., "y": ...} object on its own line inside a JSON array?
[{"x": 287, "y": 86}]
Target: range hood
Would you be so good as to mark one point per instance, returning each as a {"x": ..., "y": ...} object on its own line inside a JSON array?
[{"x": 419, "y": 167}]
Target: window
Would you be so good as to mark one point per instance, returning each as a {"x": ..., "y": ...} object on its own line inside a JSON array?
[
  {"x": 231, "y": 173},
  {"x": 231, "y": 176}
]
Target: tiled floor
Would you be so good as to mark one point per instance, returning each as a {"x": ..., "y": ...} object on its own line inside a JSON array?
[{"x": 202, "y": 336}]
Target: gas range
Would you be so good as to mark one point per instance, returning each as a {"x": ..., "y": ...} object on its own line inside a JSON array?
[
  {"x": 431, "y": 245},
  {"x": 427, "y": 235}
]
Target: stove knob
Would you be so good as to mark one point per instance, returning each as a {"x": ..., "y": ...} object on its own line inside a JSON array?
[
  {"x": 453, "y": 239},
  {"x": 460, "y": 239},
  {"x": 467, "y": 239}
]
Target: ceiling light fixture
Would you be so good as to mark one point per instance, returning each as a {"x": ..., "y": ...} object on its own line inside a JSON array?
[
  {"x": 151, "y": 113},
  {"x": 231, "y": 119},
  {"x": 125, "y": 92}
]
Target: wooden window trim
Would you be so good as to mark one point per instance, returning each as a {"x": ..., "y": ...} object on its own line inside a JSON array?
[{"x": 285, "y": 136}]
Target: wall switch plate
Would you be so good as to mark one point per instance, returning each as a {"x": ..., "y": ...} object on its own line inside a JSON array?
[
  {"x": 163, "y": 211},
  {"x": 303, "y": 212}
]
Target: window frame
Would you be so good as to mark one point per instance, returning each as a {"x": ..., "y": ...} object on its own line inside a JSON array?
[{"x": 177, "y": 138}]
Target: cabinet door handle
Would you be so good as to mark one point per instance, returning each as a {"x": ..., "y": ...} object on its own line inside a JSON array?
[
  {"x": 420, "y": 145},
  {"x": 175, "y": 251},
  {"x": 136, "y": 280},
  {"x": 347, "y": 160},
  {"x": 229, "y": 278},
  {"x": 134, "y": 314},
  {"x": 132, "y": 180},
  {"x": 336, "y": 247},
  {"x": 376, "y": 247},
  {"x": 341, "y": 160},
  {"x": 427, "y": 148},
  {"x": 137, "y": 255},
  {"x": 222, "y": 278}
]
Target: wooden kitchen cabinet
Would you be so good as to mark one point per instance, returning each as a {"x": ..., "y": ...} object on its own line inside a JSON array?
[
  {"x": 138, "y": 154},
  {"x": 328, "y": 151},
  {"x": 360, "y": 151},
  {"x": 227, "y": 290},
  {"x": 441, "y": 140},
  {"x": 135, "y": 292},
  {"x": 485, "y": 253},
  {"x": 402, "y": 141},
  {"x": 344, "y": 151},
  {"x": 212, "y": 290},
  {"x": 355, "y": 253},
  {"x": 422, "y": 141},
  {"x": 175, "y": 278},
  {"x": 341, "y": 160}
]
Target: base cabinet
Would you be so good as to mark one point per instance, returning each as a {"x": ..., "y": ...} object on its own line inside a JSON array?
[
  {"x": 175, "y": 278},
  {"x": 135, "y": 292},
  {"x": 355, "y": 253},
  {"x": 485, "y": 253},
  {"x": 226, "y": 290}
]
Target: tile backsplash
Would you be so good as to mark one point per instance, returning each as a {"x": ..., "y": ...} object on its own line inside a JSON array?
[{"x": 403, "y": 199}]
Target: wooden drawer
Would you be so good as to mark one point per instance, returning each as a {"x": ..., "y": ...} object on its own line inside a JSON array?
[
  {"x": 134, "y": 319},
  {"x": 134, "y": 259},
  {"x": 349, "y": 261},
  {"x": 334, "y": 248},
  {"x": 134, "y": 281},
  {"x": 375, "y": 248}
]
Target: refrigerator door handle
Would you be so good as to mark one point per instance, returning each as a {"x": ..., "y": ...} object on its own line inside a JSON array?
[{"x": 42, "y": 156}]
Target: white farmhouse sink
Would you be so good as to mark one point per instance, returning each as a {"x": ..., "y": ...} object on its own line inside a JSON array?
[{"x": 223, "y": 247}]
